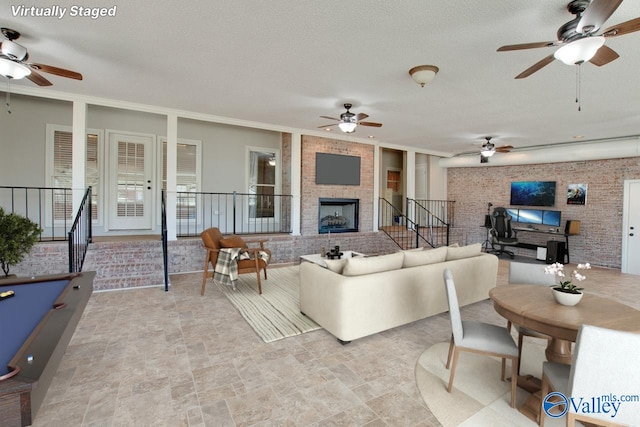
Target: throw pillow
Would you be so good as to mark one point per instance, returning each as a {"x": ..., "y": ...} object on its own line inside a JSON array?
[
  {"x": 464, "y": 251},
  {"x": 232, "y": 242},
  {"x": 375, "y": 264},
  {"x": 336, "y": 265},
  {"x": 424, "y": 257}
]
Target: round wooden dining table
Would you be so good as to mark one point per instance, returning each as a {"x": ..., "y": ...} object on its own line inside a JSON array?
[{"x": 534, "y": 307}]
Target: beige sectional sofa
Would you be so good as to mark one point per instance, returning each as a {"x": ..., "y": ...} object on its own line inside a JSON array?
[{"x": 361, "y": 296}]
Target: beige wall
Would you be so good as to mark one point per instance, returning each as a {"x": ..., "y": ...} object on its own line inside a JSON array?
[{"x": 600, "y": 241}]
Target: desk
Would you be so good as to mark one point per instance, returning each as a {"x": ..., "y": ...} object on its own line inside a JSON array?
[
  {"x": 534, "y": 307},
  {"x": 37, "y": 325},
  {"x": 543, "y": 231}
]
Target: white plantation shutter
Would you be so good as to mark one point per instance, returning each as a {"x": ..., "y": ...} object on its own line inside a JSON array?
[
  {"x": 62, "y": 173},
  {"x": 187, "y": 178}
]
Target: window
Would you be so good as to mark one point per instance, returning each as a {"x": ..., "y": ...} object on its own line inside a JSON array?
[
  {"x": 262, "y": 184},
  {"x": 188, "y": 180},
  {"x": 59, "y": 160}
]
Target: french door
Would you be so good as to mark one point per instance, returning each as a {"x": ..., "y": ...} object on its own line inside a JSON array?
[{"x": 130, "y": 181}]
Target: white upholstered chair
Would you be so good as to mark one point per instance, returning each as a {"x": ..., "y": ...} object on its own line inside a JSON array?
[
  {"x": 522, "y": 273},
  {"x": 605, "y": 363},
  {"x": 478, "y": 337}
]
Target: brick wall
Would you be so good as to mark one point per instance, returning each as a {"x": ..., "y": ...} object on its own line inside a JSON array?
[
  {"x": 312, "y": 192},
  {"x": 600, "y": 239}
]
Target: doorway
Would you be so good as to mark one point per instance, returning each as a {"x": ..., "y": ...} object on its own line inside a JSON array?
[
  {"x": 130, "y": 181},
  {"x": 631, "y": 227}
]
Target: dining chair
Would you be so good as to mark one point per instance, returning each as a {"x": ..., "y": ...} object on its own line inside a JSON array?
[
  {"x": 605, "y": 363},
  {"x": 478, "y": 337},
  {"x": 522, "y": 273}
]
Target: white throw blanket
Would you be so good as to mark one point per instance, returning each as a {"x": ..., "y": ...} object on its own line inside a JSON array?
[{"x": 226, "y": 270}]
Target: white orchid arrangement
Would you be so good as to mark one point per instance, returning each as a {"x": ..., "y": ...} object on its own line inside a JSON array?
[{"x": 565, "y": 283}]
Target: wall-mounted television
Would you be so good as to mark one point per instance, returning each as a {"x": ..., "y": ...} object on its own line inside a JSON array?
[
  {"x": 337, "y": 169},
  {"x": 533, "y": 193}
]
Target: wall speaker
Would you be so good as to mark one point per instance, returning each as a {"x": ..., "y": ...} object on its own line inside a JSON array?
[{"x": 572, "y": 227}]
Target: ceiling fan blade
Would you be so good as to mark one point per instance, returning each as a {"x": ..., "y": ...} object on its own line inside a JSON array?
[
  {"x": 603, "y": 56},
  {"x": 326, "y": 126},
  {"x": 55, "y": 70},
  {"x": 504, "y": 149},
  {"x": 596, "y": 14},
  {"x": 526, "y": 46},
  {"x": 375, "y": 125},
  {"x": 330, "y": 118},
  {"x": 38, "y": 79},
  {"x": 623, "y": 28},
  {"x": 535, "y": 67},
  {"x": 361, "y": 116}
]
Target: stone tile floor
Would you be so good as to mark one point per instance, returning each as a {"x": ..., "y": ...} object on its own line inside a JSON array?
[{"x": 149, "y": 358}]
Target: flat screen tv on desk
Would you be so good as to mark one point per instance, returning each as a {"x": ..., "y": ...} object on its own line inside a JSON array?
[
  {"x": 529, "y": 216},
  {"x": 551, "y": 218}
]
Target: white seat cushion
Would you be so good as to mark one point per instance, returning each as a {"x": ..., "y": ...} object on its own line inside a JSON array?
[{"x": 488, "y": 338}]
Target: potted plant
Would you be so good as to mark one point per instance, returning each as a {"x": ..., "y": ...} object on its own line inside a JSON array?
[
  {"x": 566, "y": 292},
  {"x": 17, "y": 236}
]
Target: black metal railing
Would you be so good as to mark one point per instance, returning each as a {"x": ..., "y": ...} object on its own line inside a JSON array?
[
  {"x": 435, "y": 211},
  {"x": 232, "y": 213},
  {"x": 165, "y": 249},
  {"x": 400, "y": 228},
  {"x": 49, "y": 207},
  {"x": 433, "y": 228},
  {"x": 80, "y": 234}
]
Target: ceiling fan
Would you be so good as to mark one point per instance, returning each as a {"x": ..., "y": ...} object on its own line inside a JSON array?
[
  {"x": 577, "y": 38},
  {"x": 14, "y": 65},
  {"x": 348, "y": 121},
  {"x": 489, "y": 149}
]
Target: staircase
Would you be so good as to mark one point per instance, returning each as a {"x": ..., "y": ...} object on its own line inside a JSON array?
[{"x": 126, "y": 263}]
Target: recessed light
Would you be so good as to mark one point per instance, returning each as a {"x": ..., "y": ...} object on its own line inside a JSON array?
[
  {"x": 327, "y": 129},
  {"x": 371, "y": 136},
  {"x": 578, "y": 136}
]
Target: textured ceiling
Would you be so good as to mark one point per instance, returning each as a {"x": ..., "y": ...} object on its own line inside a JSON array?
[{"x": 286, "y": 62}]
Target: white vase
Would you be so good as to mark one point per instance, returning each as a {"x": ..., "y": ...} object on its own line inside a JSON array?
[{"x": 565, "y": 298}]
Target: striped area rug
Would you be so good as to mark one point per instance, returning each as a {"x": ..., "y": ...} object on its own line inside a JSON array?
[{"x": 276, "y": 313}]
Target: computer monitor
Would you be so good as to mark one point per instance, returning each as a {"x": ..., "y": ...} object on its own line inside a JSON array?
[
  {"x": 530, "y": 216},
  {"x": 551, "y": 218},
  {"x": 513, "y": 213}
]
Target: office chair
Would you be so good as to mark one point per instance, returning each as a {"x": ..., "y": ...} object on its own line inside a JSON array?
[{"x": 501, "y": 233}]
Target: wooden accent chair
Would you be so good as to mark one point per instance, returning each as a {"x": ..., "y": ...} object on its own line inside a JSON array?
[{"x": 213, "y": 241}]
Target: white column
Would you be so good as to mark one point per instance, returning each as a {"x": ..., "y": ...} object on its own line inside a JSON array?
[
  {"x": 172, "y": 172},
  {"x": 411, "y": 181},
  {"x": 376, "y": 186},
  {"x": 78, "y": 152},
  {"x": 296, "y": 182}
]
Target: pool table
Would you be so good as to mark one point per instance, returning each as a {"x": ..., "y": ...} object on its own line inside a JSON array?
[{"x": 38, "y": 316}]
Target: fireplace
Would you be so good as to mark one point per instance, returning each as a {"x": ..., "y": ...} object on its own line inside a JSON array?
[{"x": 337, "y": 215}]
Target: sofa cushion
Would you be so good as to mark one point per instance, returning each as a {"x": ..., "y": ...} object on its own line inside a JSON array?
[
  {"x": 336, "y": 265},
  {"x": 464, "y": 251},
  {"x": 232, "y": 242},
  {"x": 367, "y": 265},
  {"x": 424, "y": 257}
]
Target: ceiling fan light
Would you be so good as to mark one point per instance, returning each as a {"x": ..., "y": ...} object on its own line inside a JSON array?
[
  {"x": 13, "y": 50},
  {"x": 579, "y": 51},
  {"x": 423, "y": 74},
  {"x": 347, "y": 127},
  {"x": 13, "y": 70},
  {"x": 488, "y": 153}
]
